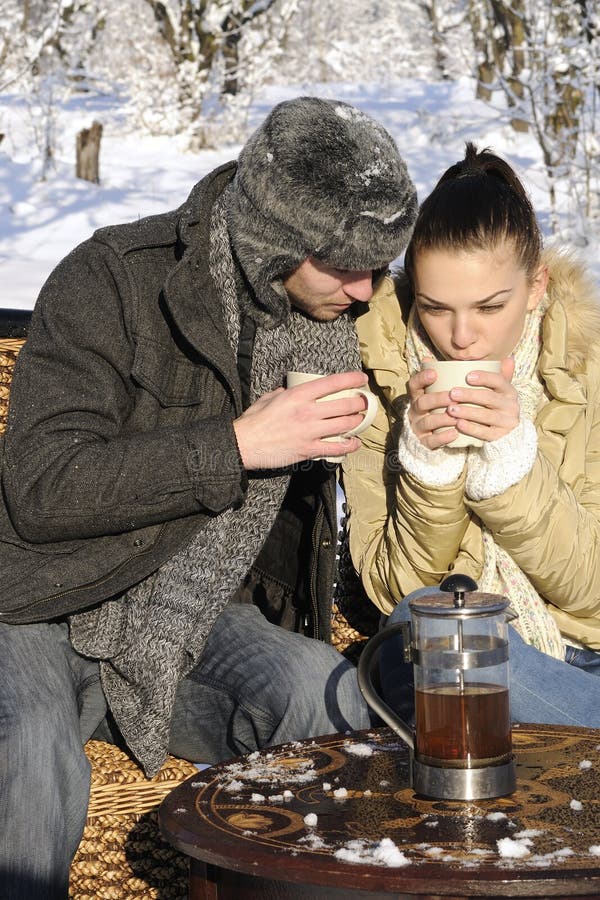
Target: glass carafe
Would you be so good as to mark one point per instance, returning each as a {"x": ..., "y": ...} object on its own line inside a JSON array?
[{"x": 458, "y": 645}]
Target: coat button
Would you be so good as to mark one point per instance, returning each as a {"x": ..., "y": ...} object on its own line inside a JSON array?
[
  {"x": 326, "y": 543},
  {"x": 138, "y": 542}
]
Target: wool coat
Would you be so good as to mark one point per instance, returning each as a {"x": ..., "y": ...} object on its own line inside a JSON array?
[
  {"x": 120, "y": 442},
  {"x": 405, "y": 535}
]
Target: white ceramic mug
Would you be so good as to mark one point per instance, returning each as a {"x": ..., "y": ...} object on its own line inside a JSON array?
[
  {"x": 295, "y": 378},
  {"x": 453, "y": 373}
]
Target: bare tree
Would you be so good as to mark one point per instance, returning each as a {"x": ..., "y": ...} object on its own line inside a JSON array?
[
  {"x": 541, "y": 56},
  {"x": 39, "y": 44},
  {"x": 445, "y": 17},
  {"x": 197, "y": 32},
  {"x": 25, "y": 32},
  {"x": 34, "y": 30},
  {"x": 499, "y": 35}
]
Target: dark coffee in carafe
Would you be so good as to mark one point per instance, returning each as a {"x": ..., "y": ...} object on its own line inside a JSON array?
[{"x": 465, "y": 725}]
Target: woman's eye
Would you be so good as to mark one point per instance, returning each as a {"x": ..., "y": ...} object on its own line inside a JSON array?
[
  {"x": 494, "y": 307},
  {"x": 431, "y": 310}
]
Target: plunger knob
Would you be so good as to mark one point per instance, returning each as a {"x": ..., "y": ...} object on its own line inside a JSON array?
[{"x": 459, "y": 585}]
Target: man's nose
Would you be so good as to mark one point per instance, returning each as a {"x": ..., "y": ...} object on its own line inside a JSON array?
[{"x": 359, "y": 285}]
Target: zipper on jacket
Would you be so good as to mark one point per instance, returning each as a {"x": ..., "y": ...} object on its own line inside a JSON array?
[{"x": 313, "y": 573}]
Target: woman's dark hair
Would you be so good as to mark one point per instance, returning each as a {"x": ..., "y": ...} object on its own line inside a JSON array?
[{"x": 477, "y": 203}]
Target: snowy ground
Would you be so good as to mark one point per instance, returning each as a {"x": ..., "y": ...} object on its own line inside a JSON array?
[{"x": 40, "y": 221}]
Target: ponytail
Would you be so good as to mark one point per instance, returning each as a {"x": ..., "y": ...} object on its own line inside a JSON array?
[{"x": 478, "y": 203}]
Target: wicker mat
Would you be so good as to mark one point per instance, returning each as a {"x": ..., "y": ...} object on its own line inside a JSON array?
[
  {"x": 9, "y": 350},
  {"x": 121, "y": 855}
]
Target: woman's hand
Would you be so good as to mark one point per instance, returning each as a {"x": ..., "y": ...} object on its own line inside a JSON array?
[
  {"x": 496, "y": 411},
  {"x": 497, "y": 408},
  {"x": 428, "y": 412}
]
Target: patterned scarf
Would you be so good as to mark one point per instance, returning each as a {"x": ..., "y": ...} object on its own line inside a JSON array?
[{"x": 500, "y": 573}]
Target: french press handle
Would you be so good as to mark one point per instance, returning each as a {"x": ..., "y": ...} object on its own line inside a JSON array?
[{"x": 366, "y": 664}]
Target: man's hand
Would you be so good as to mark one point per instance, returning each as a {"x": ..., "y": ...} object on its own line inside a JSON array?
[{"x": 287, "y": 426}]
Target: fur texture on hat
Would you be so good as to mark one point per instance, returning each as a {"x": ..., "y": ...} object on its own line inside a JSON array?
[{"x": 321, "y": 179}]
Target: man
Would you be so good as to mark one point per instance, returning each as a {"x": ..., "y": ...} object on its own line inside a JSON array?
[{"x": 166, "y": 563}]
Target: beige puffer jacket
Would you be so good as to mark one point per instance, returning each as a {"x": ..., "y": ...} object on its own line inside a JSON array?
[{"x": 405, "y": 535}]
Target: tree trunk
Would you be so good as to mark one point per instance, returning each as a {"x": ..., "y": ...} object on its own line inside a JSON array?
[
  {"x": 485, "y": 76},
  {"x": 88, "y": 152},
  {"x": 229, "y": 49}
]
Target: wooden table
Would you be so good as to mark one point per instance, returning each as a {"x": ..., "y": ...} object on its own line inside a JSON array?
[{"x": 244, "y": 824}]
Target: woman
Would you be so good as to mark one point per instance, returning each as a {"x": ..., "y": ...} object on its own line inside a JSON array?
[{"x": 521, "y": 513}]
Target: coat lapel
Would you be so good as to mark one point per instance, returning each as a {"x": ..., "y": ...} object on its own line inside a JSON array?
[{"x": 190, "y": 291}]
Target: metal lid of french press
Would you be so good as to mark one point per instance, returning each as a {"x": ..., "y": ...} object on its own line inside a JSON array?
[{"x": 459, "y": 599}]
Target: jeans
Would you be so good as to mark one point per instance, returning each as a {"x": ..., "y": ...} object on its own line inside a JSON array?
[
  {"x": 588, "y": 660},
  {"x": 254, "y": 685},
  {"x": 542, "y": 689}
]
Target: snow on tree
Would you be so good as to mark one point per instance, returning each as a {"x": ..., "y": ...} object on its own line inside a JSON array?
[
  {"x": 542, "y": 57},
  {"x": 42, "y": 51},
  {"x": 203, "y": 38}
]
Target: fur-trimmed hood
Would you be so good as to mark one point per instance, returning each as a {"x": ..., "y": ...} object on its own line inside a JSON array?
[{"x": 571, "y": 285}]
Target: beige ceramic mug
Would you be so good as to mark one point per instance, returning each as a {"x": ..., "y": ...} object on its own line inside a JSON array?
[
  {"x": 295, "y": 378},
  {"x": 453, "y": 373}
]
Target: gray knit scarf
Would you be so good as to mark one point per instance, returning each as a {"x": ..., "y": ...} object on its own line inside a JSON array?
[{"x": 148, "y": 639}]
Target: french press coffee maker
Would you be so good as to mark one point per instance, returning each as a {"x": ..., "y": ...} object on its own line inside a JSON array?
[{"x": 457, "y": 641}]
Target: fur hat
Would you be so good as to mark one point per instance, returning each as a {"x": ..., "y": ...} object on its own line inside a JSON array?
[{"x": 318, "y": 178}]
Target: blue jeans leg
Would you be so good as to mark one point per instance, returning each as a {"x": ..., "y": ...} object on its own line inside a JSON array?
[
  {"x": 588, "y": 660},
  {"x": 257, "y": 685},
  {"x": 44, "y": 773},
  {"x": 542, "y": 689},
  {"x": 548, "y": 690}
]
